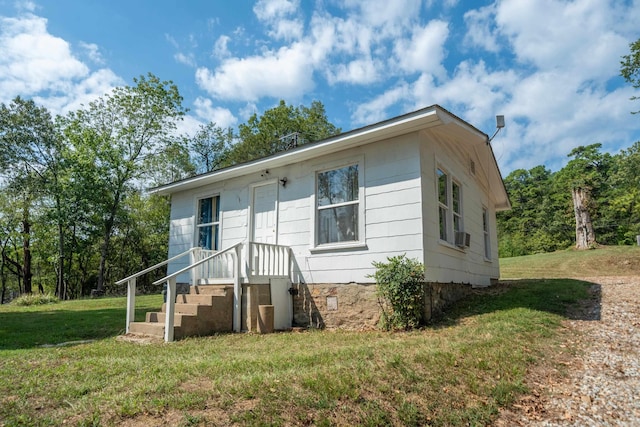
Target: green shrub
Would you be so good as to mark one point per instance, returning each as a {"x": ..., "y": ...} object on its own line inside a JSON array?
[
  {"x": 36, "y": 299},
  {"x": 400, "y": 291}
]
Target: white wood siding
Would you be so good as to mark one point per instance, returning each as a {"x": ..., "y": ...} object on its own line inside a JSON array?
[
  {"x": 445, "y": 262},
  {"x": 400, "y": 212}
]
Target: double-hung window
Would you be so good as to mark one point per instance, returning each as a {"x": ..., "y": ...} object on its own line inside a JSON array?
[
  {"x": 449, "y": 206},
  {"x": 208, "y": 223},
  {"x": 485, "y": 228},
  {"x": 443, "y": 203},
  {"x": 338, "y": 205}
]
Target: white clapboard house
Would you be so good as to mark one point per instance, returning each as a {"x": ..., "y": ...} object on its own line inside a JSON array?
[{"x": 299, "y": 230}]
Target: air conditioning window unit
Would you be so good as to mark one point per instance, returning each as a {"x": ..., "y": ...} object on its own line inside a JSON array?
[{"x": 463, "y": 239}]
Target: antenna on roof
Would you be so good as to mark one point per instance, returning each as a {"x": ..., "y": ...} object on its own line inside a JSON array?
[{"x": 499, "y": 125}]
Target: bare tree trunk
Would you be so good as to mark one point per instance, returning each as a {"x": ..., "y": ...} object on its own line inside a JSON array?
[
  {"x": 60, "y": 286},
  {"x": 585, "y": 236},
  {"x": 26, "y": 248}
]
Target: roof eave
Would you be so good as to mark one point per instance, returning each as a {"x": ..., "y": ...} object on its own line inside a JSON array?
[{"x": 401, "y": 125}]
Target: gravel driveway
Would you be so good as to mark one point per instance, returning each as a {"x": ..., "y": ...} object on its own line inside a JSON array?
[{"x": 596, "y": 380}]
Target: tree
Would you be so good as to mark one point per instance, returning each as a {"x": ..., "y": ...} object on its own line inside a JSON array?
[
  {"x": 30, "y": 149},
  {"x": 211, "y": 146},
  {"x": 280, "y": 128},
  {"x": 585, "y": 177},
  {"x": 537, "y": 221},
  {"x": 624, "y": 196},
  {"x": 630, "y": 67},
  {"x": 113, "y": 140}
]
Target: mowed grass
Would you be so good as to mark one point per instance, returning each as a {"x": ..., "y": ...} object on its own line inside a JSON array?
[
  {"x": 459, "y": 371},
  {"x": 604, "y": 261}
]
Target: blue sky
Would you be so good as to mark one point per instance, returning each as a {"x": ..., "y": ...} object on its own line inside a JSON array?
[{"x": 550, "y": 66}]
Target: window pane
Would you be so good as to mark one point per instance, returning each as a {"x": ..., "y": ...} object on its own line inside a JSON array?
[
  {"x": 205, "y": 237},
  {"x": 208, "y": 237},
  {"x": 338, "y": 224},
  {"x": 216, "y": 208},
  {"x": 456, "y": 197},
  {"x": 443, "y": 223},
  {"x": 338, "y": 186},
  {"x": 456, "y": 223},
  {"x": 442, "y": 187},
  {"x": 204, "y": 211}
]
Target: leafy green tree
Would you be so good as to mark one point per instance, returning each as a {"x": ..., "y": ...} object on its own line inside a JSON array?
[
  {"x": 30, "y": 156},
  {"x": 113, "y": 140},
  {"x": 280, "y": 128},
  {"x": 630, "y": 67},
  {"x": 624, "y": 196},
  {"x": 210, "y": 147},
  {"x": 585, "y": 177},
  {"x": 10, "y": 242},
  {"x": 536, "y": 222}
]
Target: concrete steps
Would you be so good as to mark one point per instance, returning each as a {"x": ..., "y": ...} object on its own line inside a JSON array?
[{"x": 205, "y": 310}]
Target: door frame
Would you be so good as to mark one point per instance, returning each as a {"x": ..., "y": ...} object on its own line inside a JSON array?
[{"x": 252, "y": 189}]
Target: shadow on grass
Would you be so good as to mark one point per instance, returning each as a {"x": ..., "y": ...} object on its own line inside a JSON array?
[
  {"x": 570, "y": 298},
  {"x": 35, "y": 328}
]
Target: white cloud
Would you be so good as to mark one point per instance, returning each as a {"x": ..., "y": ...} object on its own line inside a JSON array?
[
  {"x": 359, "y": 71},
  {"x": 549, "y": 34},
  {"x": 78, "y": 94},
  {"x": 277, "y": 13},
  {"x": 33, "y": 60},
  {"x": 93, "y": 52},
  {"x": 376, "y": 109},
  {"x": 480, "y": 29},
  {"x": 267, "y": 10},
  {"x": 36, "y": 64},
  {"x": 205, "y": 110},
  {"x": 388, "y": 18},
  {"x": 220, "y": 49},
  {"x": 286, "y": 73},
  {"x": 424, "y": 51},
  {"x": 25, "y": 6},
  {"x": 185, "y": 58}
]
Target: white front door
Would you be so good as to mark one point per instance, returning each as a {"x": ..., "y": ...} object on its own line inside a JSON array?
[{"x": 264, "y": 213}]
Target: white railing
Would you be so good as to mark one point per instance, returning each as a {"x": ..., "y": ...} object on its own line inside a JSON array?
[
  {"x": 131, "y": 284},
  {"x": 218, "y": 268},
  {"x": 205, "y": 262},
  {"x": 265, "y": 259},
  {"x": 262, "y": 259}
]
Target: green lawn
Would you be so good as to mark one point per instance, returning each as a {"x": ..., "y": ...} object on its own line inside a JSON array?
[
  {"x": 606, "y": 261},
  {"x": 456, "y": 372}
]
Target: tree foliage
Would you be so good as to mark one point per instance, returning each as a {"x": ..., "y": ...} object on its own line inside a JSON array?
[
  {"x": 73, "y": 213},
  {"x": 278, "y": 129},
  {"x": 542, "y": 217},
  {"x": 114, "y": 138},
  {"x": 630, "y": 67}
]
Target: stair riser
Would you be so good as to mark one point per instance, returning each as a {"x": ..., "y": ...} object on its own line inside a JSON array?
[
  {"x": 203, "y": 315},
  {"x": 219, "y": 290}
]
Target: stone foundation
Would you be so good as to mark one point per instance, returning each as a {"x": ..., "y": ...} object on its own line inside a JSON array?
[{"x": 355, "y": 306}]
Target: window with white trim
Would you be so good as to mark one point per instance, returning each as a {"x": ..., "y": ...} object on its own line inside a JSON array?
[
  {"x": 485, "y": 229},
  {"x": 208, "y": 223},
  {"x": 449, "y": 206},
  {"x": 338, "y": 205},
  {"x": 443, "y": 203}
]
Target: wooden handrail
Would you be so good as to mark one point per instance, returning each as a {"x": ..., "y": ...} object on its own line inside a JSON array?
[{"x": 158, "y": 265}]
